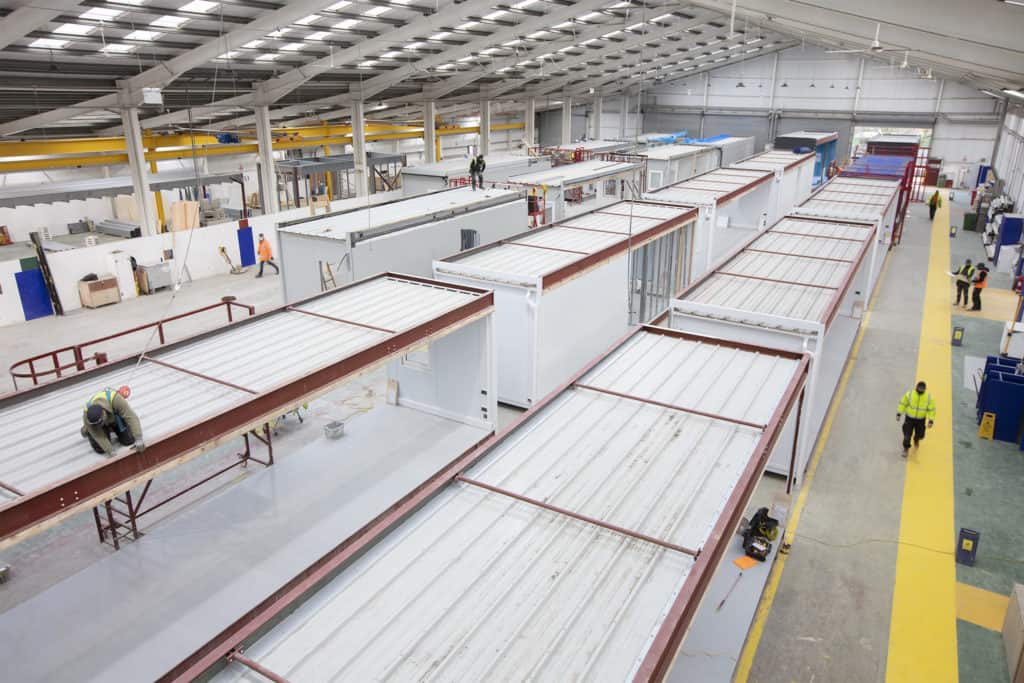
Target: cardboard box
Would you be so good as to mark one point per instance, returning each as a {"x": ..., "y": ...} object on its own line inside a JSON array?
[
  {"x": 99, "y": 292},
  {"x": 1013, "y": 634}
]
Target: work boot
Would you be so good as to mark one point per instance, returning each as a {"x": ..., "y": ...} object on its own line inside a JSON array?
[{"x": 905, "y": 452}]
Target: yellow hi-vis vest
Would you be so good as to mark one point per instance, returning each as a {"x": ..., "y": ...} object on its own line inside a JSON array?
[{"x": 917, "y": 405}]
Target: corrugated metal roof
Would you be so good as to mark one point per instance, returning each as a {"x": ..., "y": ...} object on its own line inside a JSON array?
[
  {"x": 712, "y": 187},
  {"x": 476, "y": 585},
  {"x": 409, "y": 211},
  {"x": 667, "y": 152},
  {"x": 769, "y": 161},
  {"x": 596, "y": 145},
  {"x": 795, "y": 270},
  {"x": 852, "y": 198},
  {"x": 580, "y": 172},
  {"x": 726, "y": 141},
  {"x": 524, "y": 258},
  {"x": 460, "y": 165},
  {"x": 40, "y": 429}
]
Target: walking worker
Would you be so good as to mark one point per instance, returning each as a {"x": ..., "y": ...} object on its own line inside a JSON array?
[
  {"x": 472, "y": 171},
  {"x": 481, "y": 165},
  {"x": 934, "y": 202},
  {"x": 919, "y": 407},
  {"x": 266, "y": 256},
  {"x": 980, "y": 282},
  {"x": 108, "y": 417},
  {"x": 963, "y": 282}
]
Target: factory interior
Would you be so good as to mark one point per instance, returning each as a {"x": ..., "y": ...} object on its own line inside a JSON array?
[{"x": 542, "y": 340}]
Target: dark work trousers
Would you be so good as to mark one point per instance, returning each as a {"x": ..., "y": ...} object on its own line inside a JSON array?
[
  {"x": 269, "y": 263},
  {"x": 912, "y": 427},
  {"x": 963, "y": 289},
  {"x": 976, "y": 298},
  {"x": 124, "y": 437},
  {"x": 931, "y": 211}
]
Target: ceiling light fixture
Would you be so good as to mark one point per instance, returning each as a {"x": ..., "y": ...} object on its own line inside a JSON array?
[{"x": 1015, "y": 93}]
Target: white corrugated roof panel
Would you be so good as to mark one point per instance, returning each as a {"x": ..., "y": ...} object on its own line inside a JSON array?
[
  {"x": 770, "y": 161},
  {"x": 460, "y": 165},
  {"x": 596, "y": 146},
  {"x": 419, "y": 208},
  {"x": 853, "y": 198},
  {"x": 711, "y": 187},
  {"x": 533, "y": 254},
  {"x": 40, "y": 432},
  {"x": 476, "y": 585},
  {"x": 793, "y": 270},
  {"x": 580, "y": 172},
  {"x": 809, "y": 134}
]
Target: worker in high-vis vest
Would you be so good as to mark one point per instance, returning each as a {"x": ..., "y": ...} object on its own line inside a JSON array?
[
  {"x": 107, "y": 418},
  {"x": 980, "y": 282},
  {"x": 964, "y": 274},
  {"x": 917, "y": 408}
]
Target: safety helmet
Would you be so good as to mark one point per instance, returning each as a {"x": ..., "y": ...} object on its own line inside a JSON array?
[{"x": 94, "y": 414}]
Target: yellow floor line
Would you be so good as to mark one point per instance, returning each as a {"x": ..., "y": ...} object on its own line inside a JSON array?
[
  {"x": 771, "y": 587},
  {"x": 981, "y": 607},
  {"x": 922, "y": 632}
]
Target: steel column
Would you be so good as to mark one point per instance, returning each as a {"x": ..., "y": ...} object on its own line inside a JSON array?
[
  {"x": 362, "y": 178},
  {"x": 144, "y": 201},
  {"x": 268, "y": 174},
  {"x": 485, "y": 128},
  {"x": 530, "y": 122},
  {"x": 567, "y": 120},
  {"x": 429, "y": 134},
  {"x": 595, "y": 119}
]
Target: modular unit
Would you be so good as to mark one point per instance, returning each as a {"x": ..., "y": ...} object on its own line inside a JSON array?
[
  {"x": 571, "y": 189},
  {"x": 670, "y": 164},
  {"x": 455, "y": 172},
  {"x": 334, "y": 177},
  {"x": 894, "y": 145},
  {"x": 801, "y": 285},
  {"x": 793, "y": 175},
  {"x": 734, "y": 204},
  {"x": 195, "y": 394},
  {"x": 563, "y": 293},
  {"x": 887, "y": 167},
  {"x": 405, "y": 235},
  {"x": 730, "y": 148},
  {"x": 589, "y": 147},
  {"x": 857, "y": 199},
  {"x": 577, "y": 546},
  {"x": 824, "y": 146}
]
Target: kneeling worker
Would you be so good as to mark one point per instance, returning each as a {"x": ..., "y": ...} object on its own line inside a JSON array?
[{"x": 106, "y": 417}]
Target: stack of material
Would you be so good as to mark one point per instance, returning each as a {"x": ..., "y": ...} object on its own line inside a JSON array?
[{"x": 184, "y": 215}]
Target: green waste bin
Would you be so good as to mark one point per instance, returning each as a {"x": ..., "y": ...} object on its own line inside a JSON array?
[{"x": 970, "y": 221}]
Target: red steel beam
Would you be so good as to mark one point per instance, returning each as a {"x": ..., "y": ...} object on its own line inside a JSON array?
[
  {"x": 200, "y": 375},
  {"x": 775, "y": 280},
  {"x": 339, "y": 320},
  {"x": 670, "y": 406},
  {"x": 789, "y": 253},
  {"x": 108, "y": 477},
  {"x": 236, "y": 656},
  {"x": 583, "y": 518},
  {"x": 658, "y": 659}
]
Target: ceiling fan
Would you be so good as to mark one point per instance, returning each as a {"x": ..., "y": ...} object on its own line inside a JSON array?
[{"x": 874, "y": 48}]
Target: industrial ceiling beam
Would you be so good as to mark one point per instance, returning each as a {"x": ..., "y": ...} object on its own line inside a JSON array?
[{"x": 30, "y": 17}]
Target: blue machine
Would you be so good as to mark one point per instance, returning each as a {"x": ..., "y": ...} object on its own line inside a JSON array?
[
  {"x": 1010, "y": 229},
  {"x": 1002, "y": 393}
]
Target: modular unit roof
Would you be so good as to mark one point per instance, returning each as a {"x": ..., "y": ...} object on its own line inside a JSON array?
[
  {"x": 864, "y": 199},
  {"x": 574, "y": 174},
  {"x": 798, "y": 269},
  {"x": 874, "y": 165},
  {"x": 252, "y": 367},
  {"x": 769, "y": 161},
  {"x": 565, "y": 552},
  {"x": 68, "y": 190},
  {"x": 366, "y": 222},
  {"x": 819, "y": 137},
  {"x": 334, "y": 162},
  {"x": 596, "y": 146},
  {"x": 670, "y": 152},
  {"x": 895, "y": 140},
  {"x": 460, "y": 165},
  {"x": 723, "y": 141},
  {"x": 714, "y": 187},
  {"x": 559, "y": 251}
]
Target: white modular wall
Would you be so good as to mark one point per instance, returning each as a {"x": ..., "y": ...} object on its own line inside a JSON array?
[
  {"x": 453, "y": 376},
  {"x": 546, "y": 336},
  {"x": 721, "y": 229},
  {"x": 409, "y": 250},
  {"x": 665, "y": 172},
  {"x": 1009, "y": 162},
  {"x": 596, "y": 194}
]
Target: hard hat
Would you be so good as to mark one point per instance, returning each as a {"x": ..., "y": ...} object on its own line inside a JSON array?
[
  {"x": 125, "y": 391},
  {"x": 94, "y": 414}
]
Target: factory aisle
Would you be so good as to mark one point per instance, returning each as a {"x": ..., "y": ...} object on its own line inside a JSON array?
[{"x": 829, "y": 612}]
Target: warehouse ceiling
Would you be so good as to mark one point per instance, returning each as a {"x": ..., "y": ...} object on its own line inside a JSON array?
[{"x": 70, "y": 65}]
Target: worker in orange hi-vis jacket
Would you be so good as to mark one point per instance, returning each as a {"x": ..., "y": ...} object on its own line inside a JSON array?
[{"x": 266, "y": 256}]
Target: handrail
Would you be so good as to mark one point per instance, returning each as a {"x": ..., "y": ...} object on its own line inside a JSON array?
[{"x": 79, "y": 359}]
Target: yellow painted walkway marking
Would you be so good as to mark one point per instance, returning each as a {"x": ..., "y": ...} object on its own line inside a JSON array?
[
  {"x": 771, "y": 588},
  {"x": 922, "y": 633},
  {"x": 981, "y": 607}
]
